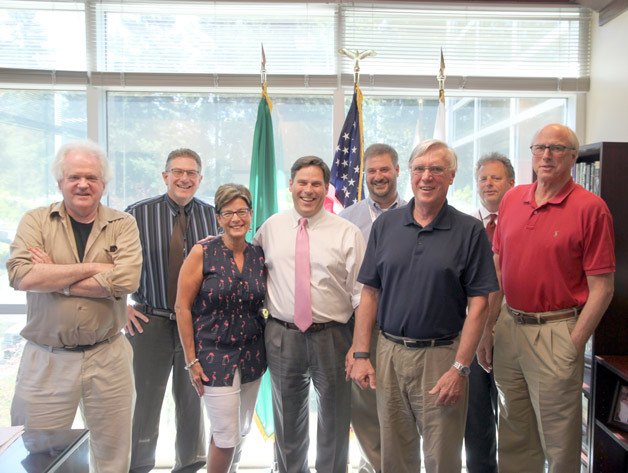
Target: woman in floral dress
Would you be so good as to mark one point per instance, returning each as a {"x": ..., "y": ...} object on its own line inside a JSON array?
[{"x": 220, "y": 295}]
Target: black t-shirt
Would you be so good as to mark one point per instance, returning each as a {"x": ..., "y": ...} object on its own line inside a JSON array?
[{"x": 81, "y": 234}]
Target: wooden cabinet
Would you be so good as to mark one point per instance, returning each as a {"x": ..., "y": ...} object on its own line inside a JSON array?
[{"x": 607, "y": 445}]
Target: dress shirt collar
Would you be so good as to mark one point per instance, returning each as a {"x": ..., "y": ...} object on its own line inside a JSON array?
[
  {"x": 311, "y": 221},
  {"x": 174, "y": 207},
  {"x": 485, "y": 215},
  {"x": 376, "y": 207}
]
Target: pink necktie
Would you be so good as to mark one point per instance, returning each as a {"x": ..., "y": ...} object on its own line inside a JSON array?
[
  {"x": 490, "y": 226},
  {"x": 302, "y": 294}
]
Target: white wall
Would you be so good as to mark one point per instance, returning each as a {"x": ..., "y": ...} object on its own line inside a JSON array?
[{"x": 607, "y": 101}]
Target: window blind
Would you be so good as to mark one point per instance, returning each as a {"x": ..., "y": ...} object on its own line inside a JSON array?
[
  {"x": 214, "y": 37},
  {"x": 224, "y": 38},
  {"x": 498, "y": 41},
  {"x": 42, "y": 35}
]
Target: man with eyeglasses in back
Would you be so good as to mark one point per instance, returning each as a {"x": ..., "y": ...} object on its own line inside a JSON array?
[
  {"x": 169, "y": 225},
  {"x": 554, "y": 254},
  {"x": 427, "y": 274}
]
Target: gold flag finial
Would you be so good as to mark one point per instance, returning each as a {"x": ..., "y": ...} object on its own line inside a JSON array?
[
  {"x": 263, "y": 70},
  {"x": 441, "y": 78},
  {"x": 357, "y": 56}
]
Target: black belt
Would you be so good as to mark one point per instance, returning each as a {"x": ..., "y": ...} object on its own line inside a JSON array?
[
  {"x": 82, "y": 348},
  {"x": 144, "y": 309},
  {"x": 420, "y": 343},
  {"x": 540, "y": 318},
  {"x": 311, "y": 329}
]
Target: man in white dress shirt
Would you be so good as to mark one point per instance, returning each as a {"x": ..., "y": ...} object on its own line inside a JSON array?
[
  {"x": 495, "y": 176},
  {"x": 381, "y": 163},
  {"x": 313, "y": 353}
]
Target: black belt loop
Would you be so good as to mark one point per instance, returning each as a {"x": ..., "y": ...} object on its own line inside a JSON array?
[
  {"x": 418, "y": 343},
  {"x": 166, "y": 314}
]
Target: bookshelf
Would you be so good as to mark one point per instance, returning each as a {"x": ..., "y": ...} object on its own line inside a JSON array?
[{"x": 603, "y": 169}]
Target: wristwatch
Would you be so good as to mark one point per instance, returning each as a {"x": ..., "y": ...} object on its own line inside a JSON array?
[
  {"x": 462, "y": 369},
  {"x": 66, "y": 290},
  {"x": 361, "y": 354}
]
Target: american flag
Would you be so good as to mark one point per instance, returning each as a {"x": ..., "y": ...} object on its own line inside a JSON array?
[{"x": 347, "y": 169}]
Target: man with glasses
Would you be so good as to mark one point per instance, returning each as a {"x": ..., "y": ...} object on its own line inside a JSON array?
[
  {"x": 427, "y": 273},
  {"x": 554, "y": 252},
  {"x": 169, "y": 225},
  {"x": 77, "y": 260}
]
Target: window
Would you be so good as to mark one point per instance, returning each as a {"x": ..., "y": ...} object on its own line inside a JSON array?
[{"x": 144, "y": 128}]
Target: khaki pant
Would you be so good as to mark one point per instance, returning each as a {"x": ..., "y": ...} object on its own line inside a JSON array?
[
  {"x": 539, "y": 378},
  {"x": 51, "y": 385},
  {"x": 408, "y": 413}
]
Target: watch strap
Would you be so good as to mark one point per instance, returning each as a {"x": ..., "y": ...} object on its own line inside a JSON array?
[{"x": 361, "y": 354}]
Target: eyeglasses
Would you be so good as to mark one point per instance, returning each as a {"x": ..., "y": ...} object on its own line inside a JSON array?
[
  {"x": 241, "y": 213},
  {"x": 192, "y": 174},
  {"x": 434, "y": 170},
  {"x": 555, "y": 150}
]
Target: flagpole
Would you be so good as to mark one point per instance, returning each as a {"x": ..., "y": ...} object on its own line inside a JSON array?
[
  {"x": 263, "y": 187},
  {"x": 357, "y": 56},
  {"x": 440, "y": 127},
  {"x": 348, "y": 165}
]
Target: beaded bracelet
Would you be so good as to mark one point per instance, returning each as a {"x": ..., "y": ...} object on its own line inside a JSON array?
[{"x": 190, "y": 364}]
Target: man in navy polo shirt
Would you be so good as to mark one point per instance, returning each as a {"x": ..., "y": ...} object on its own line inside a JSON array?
[{"x": 427, "y": 273}]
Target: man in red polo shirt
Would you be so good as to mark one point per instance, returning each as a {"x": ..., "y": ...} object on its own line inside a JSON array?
[{"x": 554, "y": 252}]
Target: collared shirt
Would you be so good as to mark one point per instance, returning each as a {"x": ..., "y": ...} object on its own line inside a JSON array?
[
  {"x": 364, "y": 213},
  {"x": 54, "y": 319},
  {"x": 155, "y": 218},
  {"x": 484, "y": 215},
  {"x": 547, "y": 251},
  {"x": 426, "y": 274},
  {"x": 336, "y": 251}
]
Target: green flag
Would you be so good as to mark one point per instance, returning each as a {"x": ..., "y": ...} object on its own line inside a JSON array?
[{"x": 263, "y": 187}]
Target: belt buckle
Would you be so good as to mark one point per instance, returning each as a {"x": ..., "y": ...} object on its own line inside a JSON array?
[
  {"x": 407, "y": 342},
  {"x": 172, "y": 316},
  {"x": 518, "y": 316}
]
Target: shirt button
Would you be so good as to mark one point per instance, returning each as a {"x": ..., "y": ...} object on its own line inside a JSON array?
[{"x": 535, "y": 212}]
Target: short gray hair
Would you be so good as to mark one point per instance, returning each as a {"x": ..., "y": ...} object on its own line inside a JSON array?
[
  {"x": 227, "y": 193},
  {"x": 495, "y": 158},
  {"x": 429, "y": 145},
  {"x": 86, "y": 146},
  {"x": 378, "y": 149},
  {"x": 184, "y": 153}
]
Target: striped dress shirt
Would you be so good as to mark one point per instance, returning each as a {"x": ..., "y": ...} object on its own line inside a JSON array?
[{"x": 155, "y": 217}]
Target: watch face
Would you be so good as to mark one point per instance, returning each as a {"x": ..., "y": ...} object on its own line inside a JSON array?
[{"x": 463, "y": 370}]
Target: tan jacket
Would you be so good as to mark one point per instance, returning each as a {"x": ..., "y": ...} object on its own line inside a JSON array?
[{"x": 57, "y": 320}]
